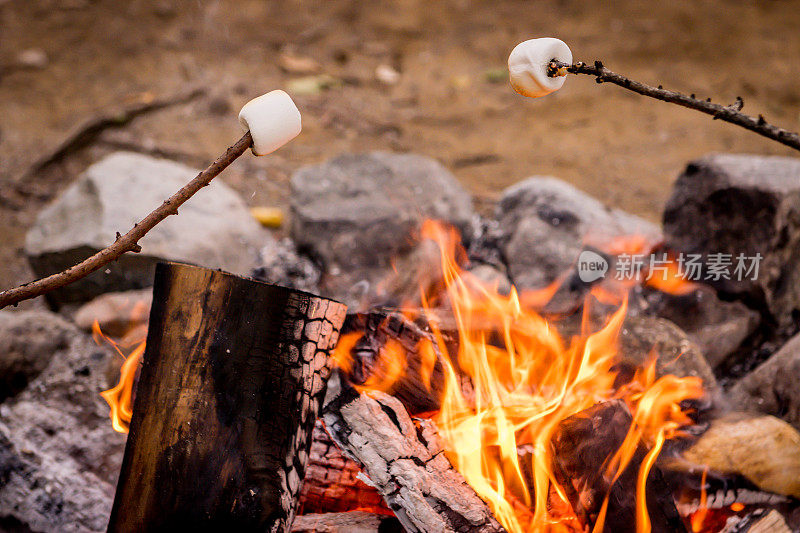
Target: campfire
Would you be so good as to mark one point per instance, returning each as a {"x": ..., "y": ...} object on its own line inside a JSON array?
[
  {"x": 507, "y": 382},
  {"x": 466, "y": 406},
  {"x": 460, "y": 393}
]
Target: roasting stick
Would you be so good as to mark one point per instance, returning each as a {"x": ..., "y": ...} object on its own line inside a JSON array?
[
  {"x": 538, "y": 67},
  {"x": 270, "y": 121}
]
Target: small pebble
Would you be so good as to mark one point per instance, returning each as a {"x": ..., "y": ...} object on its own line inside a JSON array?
[
  {"x": 386, "y": 74},
  {"x": 35, "y": 58},
  {"x": 496, "y": 75},
  {"x": 311, "y": 85}
]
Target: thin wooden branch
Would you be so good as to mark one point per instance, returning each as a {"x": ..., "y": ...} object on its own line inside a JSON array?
[
  {"x": 129, "y": 241},
  {"x": 87, "y": 131},
  {"x": 730, "y": 113}
]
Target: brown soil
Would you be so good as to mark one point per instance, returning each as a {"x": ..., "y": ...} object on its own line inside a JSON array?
[{"x": 617, "y": 146}]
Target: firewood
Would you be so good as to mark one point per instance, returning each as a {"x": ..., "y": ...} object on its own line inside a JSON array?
[
  {"x": 771, "y": 522},
  {"x": 380, "y": 326},
  {"x": 405, "y": 463},
  {"x": 418, "y": 392},
  {"x": 332, "y": 484},
  {"x": 352, "y": 522},
  {"x": 231, "y": 382},
  {"x": 84, "y": 133},
  {"x": 582, "y": 445}
]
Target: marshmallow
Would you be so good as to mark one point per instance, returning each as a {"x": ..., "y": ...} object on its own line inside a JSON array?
[
  {"x": 527, "y": 66},
  {"x": 273, "y": 120}
]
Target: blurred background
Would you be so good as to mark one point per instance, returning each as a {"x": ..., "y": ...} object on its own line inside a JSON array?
[{"x": 397, "y": 75}]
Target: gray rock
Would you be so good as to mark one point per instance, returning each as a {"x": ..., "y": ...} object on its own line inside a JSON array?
[
  {"x": 214, "y": 228},
  {"x": 116, "y": 313},
  {"x": 545, "y": 223},
  {"x": 743, "y": 204},
  {"x": 492, "y": 277},
  {"x": 412, "y": 270},
  {"x": 641, "y": 337},
  {"x": 59, "y": 456},
  {"x": 28, "y": 341},
  {"x": 717, "y": 327},
  {"x": 359, "y": 211},
  {"x": 773, "y": 387},
  {"x": 282, "y": 264},
  {"x": 763, "y": 449},
  {"x": 676, "y": 354}
]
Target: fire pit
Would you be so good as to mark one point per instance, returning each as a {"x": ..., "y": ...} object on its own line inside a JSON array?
[{"x": 469, "y": 408}]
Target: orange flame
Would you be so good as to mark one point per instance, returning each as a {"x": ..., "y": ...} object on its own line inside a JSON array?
[
  {"x": 671, "y": 280},
  {"x": 120, "y": 397},
  {"x": 665, "y": 274},
  {"x": 523, "y": 380},
  {"x": 700, "y": 516}
]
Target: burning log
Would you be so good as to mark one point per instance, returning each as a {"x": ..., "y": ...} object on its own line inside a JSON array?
[
  {"x": 418, "y": 388},
  {"x": 766, "y": 521},
  {"x": 332, "y": 483},
  {"x": 582, "y": 445},
  {"x": 352, "y": 522},
  {"x": 405, "y": 463},
  {"x": 233, "y": 375}
]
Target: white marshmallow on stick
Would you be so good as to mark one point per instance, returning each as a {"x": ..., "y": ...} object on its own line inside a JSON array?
[
  {"x": 528, "y": 62},
  {"x": 273, "y": 120}
]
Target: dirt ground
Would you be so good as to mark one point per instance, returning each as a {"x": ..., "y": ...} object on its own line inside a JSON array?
[{"x": 447, "y": 102}]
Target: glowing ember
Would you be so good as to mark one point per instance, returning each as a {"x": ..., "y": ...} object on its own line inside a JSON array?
[
  {"x": 120, "y": 397},
  {"x": 523, "y": 380}
]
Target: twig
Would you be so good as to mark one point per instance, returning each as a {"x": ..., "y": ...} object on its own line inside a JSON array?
[
  {"x": 164, "y": 153},
  {"x": 86, "y": 132},
  {"x": 731, "y": 113},
  {"x": 129, "y": 241}
]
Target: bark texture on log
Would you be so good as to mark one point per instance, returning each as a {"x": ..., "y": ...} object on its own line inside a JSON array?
[
  {"x": 231, "y": 382},
  {"x": 582, "y": 445},
  {"x": 405, "y": 462},
  {"x": 352, "y": 522},
  {"x": 379, "y": 326},
  {"x": 331, "y": 484}
]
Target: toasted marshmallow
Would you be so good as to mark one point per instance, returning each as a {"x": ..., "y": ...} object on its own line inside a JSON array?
[
  {"x": 527, "y": 66},
  {"x": 273, "y": 120}
]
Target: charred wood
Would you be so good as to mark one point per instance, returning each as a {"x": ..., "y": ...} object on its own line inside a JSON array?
[
  {"x": 582, "y": 445},
  {"x": 761, "y": 521},
  {"x": 232, "y": 379},
  {"x": 352, "y": 522},
  {"x": 406, "y": 463},
  {"x": 332, "y": 484},
  {"x": 417, "y": 392}
]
